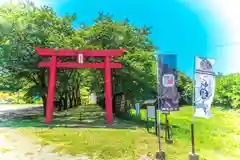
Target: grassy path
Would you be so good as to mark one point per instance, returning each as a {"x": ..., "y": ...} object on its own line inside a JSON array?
[{"x": 16, "y": 146}]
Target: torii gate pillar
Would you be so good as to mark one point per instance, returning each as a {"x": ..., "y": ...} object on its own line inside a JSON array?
[
  {"x": 108, "y": 89},
  {"x": 51, "y": 89}
]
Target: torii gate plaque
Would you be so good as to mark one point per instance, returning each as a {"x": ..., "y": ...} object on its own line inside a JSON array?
[{"x": 53, "y": 64}]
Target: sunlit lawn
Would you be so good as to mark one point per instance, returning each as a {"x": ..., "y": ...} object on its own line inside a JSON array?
[{"x": 217, "y": 138}]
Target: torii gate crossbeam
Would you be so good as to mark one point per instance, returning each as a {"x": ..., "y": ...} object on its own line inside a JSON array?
[{"x": 53, "y": 64}]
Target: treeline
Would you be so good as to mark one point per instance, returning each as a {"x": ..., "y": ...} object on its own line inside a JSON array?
[
  {"x": 24, "y": 26},
  {"x": 227, "y": 91}
]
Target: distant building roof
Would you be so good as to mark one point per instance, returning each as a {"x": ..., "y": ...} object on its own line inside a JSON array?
[{"x": 150, "y": 101}]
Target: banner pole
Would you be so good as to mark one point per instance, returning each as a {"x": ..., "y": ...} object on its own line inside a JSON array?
[
  {"x": 161, "y": 154},
  {"x": 193, "y": 110},
  {"x": 193, "y": 155},
  {"x": 166, "y": 128},
  {"x": 168, "y": 137}
]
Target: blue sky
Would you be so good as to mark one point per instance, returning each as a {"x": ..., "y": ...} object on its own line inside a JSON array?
[
  {"x": 187, "y": 28},
  {"x": 176, "y": 28}
]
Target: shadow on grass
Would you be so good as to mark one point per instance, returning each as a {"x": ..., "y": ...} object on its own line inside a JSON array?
[
  {"x": 33, "y": 118},
  {"x": 57, "y": 123},
  {"x": 149, "y": 125},
  {"x": 23, "y": 119},
  {"x": 226, "y": 108}
]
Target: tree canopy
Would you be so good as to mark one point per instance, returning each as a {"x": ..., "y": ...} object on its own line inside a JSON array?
[{"x": 24, "y": 26}]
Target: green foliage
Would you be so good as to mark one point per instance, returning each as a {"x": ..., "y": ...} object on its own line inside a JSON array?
[
  {"x": 185, "y": 88},
  {"x": 136, "y": 78},
  {"x": 29, "y": 26},
  {"x": 24, "y": 26},
  {"x": 228, "y": 90}
]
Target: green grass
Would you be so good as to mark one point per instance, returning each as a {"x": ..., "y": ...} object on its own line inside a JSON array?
[
  {"x": 103, "y": 144},
  {"x": 216, "y": 138}
]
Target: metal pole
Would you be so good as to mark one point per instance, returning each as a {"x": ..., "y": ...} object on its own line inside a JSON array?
[
  {"x": 156, "y": 123},
  {"x": 166, "y": 128},
  {"x": 192, "y": 134},
  {"x": 168, "y": 138},
  {"x": 167, "y": 122},
  {"x": 161, "y": 154},
  {"x": 193, "y": 155},
  {"x": 193, "y": 110}
]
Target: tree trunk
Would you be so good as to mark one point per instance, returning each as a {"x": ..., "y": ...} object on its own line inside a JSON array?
[
  {"x": 78, "y": 96},
  {"x": 42, "y": 78},
  {"x": 74, "y": 99},
  {"x": 61, "y": 103},
  {"x": 71, "y": 101},
  {"x": 44, "y": 98},
  {"x": 65, "y": 106}
]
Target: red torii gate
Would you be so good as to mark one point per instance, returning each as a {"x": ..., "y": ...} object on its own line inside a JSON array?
[{"x": 53, "y": 64}]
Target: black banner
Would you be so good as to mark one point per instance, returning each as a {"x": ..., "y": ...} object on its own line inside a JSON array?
[{"x": 168, "y": 82}]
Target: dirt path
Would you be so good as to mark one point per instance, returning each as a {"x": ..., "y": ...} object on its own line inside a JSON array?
[{"x": 16, "y": 146}]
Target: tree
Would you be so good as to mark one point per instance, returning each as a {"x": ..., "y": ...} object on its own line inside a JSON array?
[
  {"x": 136, "y": 79},
  {"x": 227, "y": 92},
  {"x": 185, "y": 88},
  {"x": 32, "y": 27}
]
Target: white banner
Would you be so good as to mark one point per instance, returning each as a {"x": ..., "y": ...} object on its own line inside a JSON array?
[
  {"x": 204, "y": 87},
  {"x": 204, "y": 65}
]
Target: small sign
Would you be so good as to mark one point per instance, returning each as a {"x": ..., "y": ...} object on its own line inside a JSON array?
[
  {"x": 168, "y": 80},
  {"x": 80, "y": 58},
  {"x": 137, "y": 107},
  {"x": 93, "y": 98},
  {"x": 151, "y": 112}
]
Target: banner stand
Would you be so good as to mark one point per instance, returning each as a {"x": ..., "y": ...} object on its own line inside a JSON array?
[
  {"x": 160, "y": 155},
  {"x": 151, "y": 112},
  {"x": 193, "y": 155},
  {"x": 168, "y": 136},
  {"x": 156, "y": 122},
  {"x": 203, "y": 93}
]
